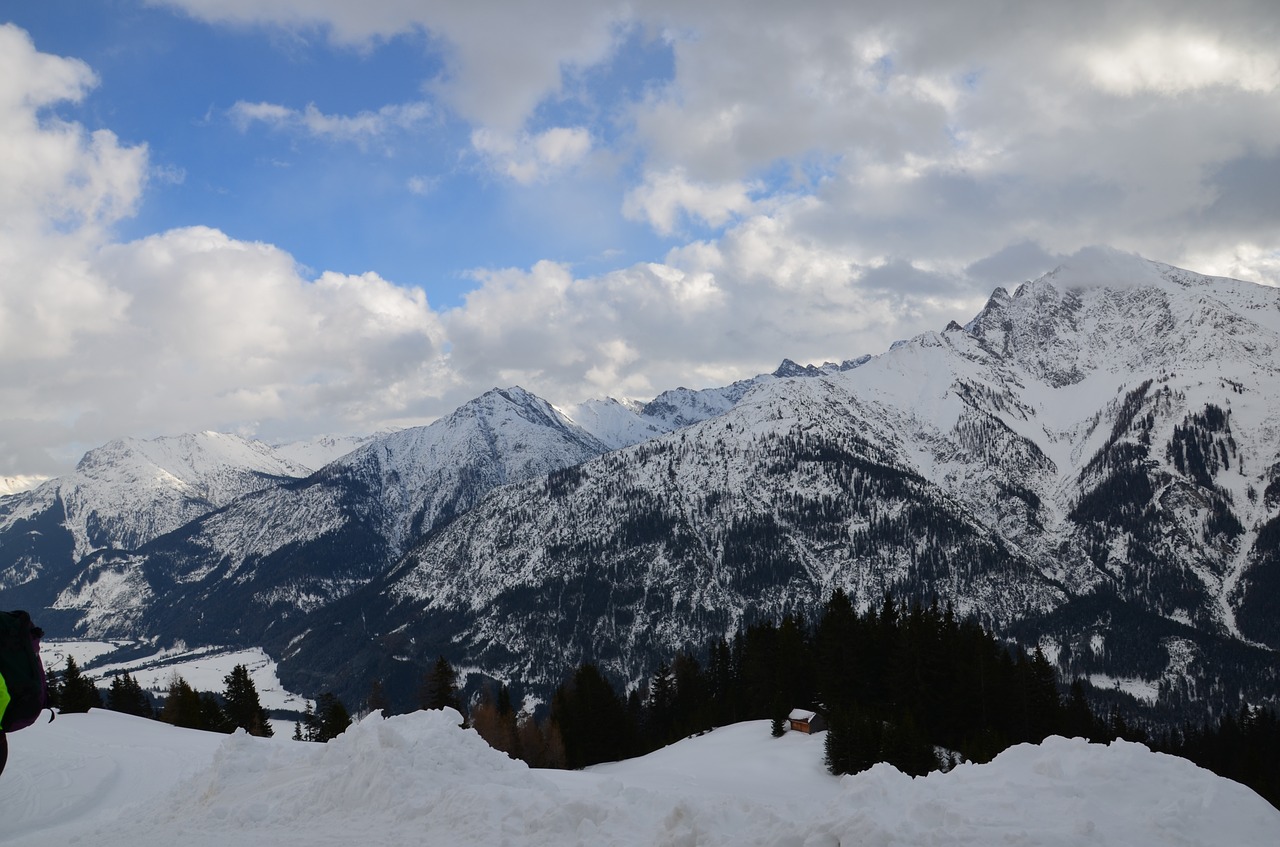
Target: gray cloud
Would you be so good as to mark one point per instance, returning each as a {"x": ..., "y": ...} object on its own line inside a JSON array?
[
  {"x": 1246, "y": 194},
  {"x": 1016, "y": 263}
]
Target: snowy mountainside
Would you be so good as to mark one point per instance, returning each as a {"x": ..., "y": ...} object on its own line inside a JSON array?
[
  {"x": 1074, "y": 438},
  {"x": 797, "y": 490},
  {"x": 124, "y": 494},
  {"x": 281, "y": 553},
  {"x": 622, "y": 423},
  {"x": 315, "y": 453},
  {"x": 18, "y": 484}
]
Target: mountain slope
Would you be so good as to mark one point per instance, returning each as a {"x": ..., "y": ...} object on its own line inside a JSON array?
[
  {"x": 121, "y": 496},
  {"x": 624, "y": 423},
  {"x": 1106, "y": 428},
  {"x": 281, "y": 553}
]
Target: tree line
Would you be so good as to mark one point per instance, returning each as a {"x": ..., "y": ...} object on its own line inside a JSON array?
[
  {"x": 236, "y": 706},
  {"x": 896, "y": 684},
  {"x": 901, "y": 683}
]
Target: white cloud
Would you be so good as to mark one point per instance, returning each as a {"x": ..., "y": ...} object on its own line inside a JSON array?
[
  {"x": 502, "y": 58},
  {"x": 54, "y": 175},
  {"x": 1244, "y": 260},
  {"x": 169, "y": 174},
  {"x": 422, "y": 185},
  {"x": 665, "y": 197},
  {"x": 1173, "y": 63},
  {"x": 360, "y": 128},
  {"x": 528, "y": 159},
  {"x": 873, "y": 169},
  {"x": 184, "y": 330}
]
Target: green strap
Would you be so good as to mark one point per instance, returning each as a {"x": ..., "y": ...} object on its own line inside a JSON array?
[{"x": 4, "y": 697}]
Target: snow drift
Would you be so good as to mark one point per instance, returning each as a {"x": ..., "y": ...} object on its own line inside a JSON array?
[{"x": 110, "y": 779}]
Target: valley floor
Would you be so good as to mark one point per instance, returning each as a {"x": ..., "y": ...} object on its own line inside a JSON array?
[{"x": 109, "y": 779}]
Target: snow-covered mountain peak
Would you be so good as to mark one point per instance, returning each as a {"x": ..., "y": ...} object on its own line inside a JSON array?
[
  {"x": 132, "y": 490},
  {"x": 20, "y": 483},
  {"x": 789, "y": 369},
  {"x": 315, "y": 453},
  {"x": 1120, "y": 313},
  {"x": 617, "y": 423},
  {"x": 198, "y": 459},
  {"x": 509, "y": 404},
  {"x": 1105, "y": 267}
]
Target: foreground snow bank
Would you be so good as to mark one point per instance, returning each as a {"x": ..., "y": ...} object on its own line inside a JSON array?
[
  {"x": 113, "y": 780},
  {"x": 1060, "y": 792}
]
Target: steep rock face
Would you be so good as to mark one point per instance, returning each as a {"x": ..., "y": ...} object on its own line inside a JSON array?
[
  {"x": 1077, "y": 437},
  {"x": 281, "y": 553}
]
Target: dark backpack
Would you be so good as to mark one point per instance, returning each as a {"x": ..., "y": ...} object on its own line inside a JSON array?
[{"x": 22, "y": 670}]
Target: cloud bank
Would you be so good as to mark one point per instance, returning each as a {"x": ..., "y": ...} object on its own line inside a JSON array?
[{"x": 823, "y": 179}]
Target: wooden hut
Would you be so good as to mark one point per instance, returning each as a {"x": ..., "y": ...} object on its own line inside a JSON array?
[{"x": 806, "y": 721}]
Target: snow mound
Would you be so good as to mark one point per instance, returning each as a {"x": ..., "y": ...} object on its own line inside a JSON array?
[
  {"x": 109, "y": 780},
  {"x": 1060, "y": 792}
]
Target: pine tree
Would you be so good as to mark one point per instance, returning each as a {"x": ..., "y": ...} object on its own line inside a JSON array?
[
  {"x": 592, "y": 720},
  {"x": 242, "y": 707},
  {"x": 181, "y": 705},
  {"x": 212, "y": 718},
  {"x": 78, "y": 693},
  {"x": 377, "y": 700},
  {"x": 331, "y": 717},
  {"x": 661, "y": 707},
  {"x": 307, "y": 729},
  {"x": 126, "y": 695},
  {"x": 440, "y": 687}
]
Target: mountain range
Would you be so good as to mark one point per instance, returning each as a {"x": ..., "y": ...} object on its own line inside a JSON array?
[{"x": 1090, "y": 465}]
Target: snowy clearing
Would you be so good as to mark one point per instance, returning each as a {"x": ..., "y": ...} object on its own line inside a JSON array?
[
  {"x": 111, "y": 779},
  {"x": 204, "y": 669}
]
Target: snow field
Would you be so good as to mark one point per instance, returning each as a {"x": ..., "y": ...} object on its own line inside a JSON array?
[
  {"x": 204, "y": 669},
  {"x": 108, "y": 779}
]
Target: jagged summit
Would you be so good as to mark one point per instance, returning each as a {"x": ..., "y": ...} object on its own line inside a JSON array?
[
  {"x": 789, "y": 369},
  {"x": 1121, "y": 314}
]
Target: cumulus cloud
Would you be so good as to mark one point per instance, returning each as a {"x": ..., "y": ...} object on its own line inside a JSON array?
[
  {"x": 1173, "y": 63},
  {"x": 709, "y": 313},
  {"x": 942, "y": 133},
  {"x": 55, "y": 174},
  {"x": 183, "y": 330},
  {"x": 871, "y": 170},
  {"x": 665, "y": 197},
  {"x": 533, "y": 158}
]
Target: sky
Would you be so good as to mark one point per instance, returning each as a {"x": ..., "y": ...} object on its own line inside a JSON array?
[{"x": 286, "y": 218}]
